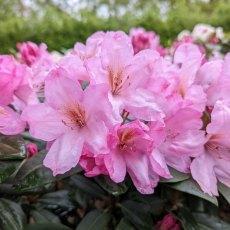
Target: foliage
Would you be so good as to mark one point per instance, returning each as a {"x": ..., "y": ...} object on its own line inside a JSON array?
[
  {"x": 31, "y": 198},
  {"x": 60, "y": 25}
]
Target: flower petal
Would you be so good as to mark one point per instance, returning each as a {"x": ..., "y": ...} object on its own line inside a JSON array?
[{"x": 64, "y": 153}]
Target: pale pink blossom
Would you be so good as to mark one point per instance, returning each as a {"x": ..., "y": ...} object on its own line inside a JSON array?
[
  {"x": 214, "y": 77},
  {"x": 10, "y": 121},
  {"x": 124, "y": 73},
  {"x": 92, "y": 47},
  {"x": 71, "y": 118},
  {"x": 213, "y": 163},
  {"x": 179, "y": 139}
]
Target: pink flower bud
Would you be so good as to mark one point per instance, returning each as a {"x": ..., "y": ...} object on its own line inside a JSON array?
[
  {"x": 31, "y": 150},
  {"x": 168, "y": 223}
]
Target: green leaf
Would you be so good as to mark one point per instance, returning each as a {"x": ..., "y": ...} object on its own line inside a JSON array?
[
  {"x": 203, "y": 227},
  {"x": 44, "y": 216},
  {"x": 12, "y": 147},
  {"x": 191, "y": 187},
  {"x": 87, "y": 186},
  {"x": 137, "y": 215},
  {"x": 57, "y": 199},
  {"x": 177, "y": 176},
  {"x": 33, "y": 176},
  {"x": 210, "y": 221},
  {"x": 187, "y": 219},
  {"x": 40, "y": 144},
  {"x": 7, "y": 168},
  {"x": 151, "y": 203},
  {"x": 46, "y": 226},
  {"x": 124, "y": 224},
  {"x": 94, "y": 220},
  {"x": 225, "y": 191},
  {"x": 111, "y": 187},
  {"x": 12, "y": 217}
]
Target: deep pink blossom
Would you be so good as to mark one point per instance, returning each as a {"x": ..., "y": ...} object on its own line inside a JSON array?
[
  {"x": 130, "y": 151},
  {"x": 142, "y": 39},
  {"x": 169, "y": 222},
  {"x": 30, "y": 53},
  {"x": 93, "y": 164}
]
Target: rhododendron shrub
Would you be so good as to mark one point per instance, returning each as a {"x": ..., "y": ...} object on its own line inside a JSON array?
[{"x": 117, "y": 116}]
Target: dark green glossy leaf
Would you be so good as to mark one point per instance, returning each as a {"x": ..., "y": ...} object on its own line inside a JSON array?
[
  {"x": 124, "y": 224},
  {"x": 94, "y": 220},
  {"x": 57, "y": 199},
  {"x": 11, "y": 216},
  {"x": 12, "y": 147},
  {"x": 177, "y": 176},
  {"x": 210, "y": 221},
  {"x": 151, "y": 203},
  {"x": 40, "y": 144},
  {"x": 188, "y": 221},
  {"x": 46, "y": 226},
  {"x": 137, "y": 215},
  {"x": 87, "y": 186},
  {"x": 191, "y": 187},
  {"x": 44, "y": 216},
  {"x": 225, "y": 191},
  {"x": 111, "y": 187},
  {"x": 31, "y": 165},
  {"x": 33, "y": 176},
  {"x": 7, "y": 168},
  {"x": 203, "y": 227}
]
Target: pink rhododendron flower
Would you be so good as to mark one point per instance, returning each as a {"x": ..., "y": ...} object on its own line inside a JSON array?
[
  {"x": 93, "y": 164},
  {"x": 214, "y": 77},
  {"x": 180, "y": 138},
  {"x": 30, "y": 53},
  {"x": 142, "y": 39},
  {"x": 130, "y": 147},
  {"x": 72, "y": 118},
  {"x": 40, "y": 61},
  {"x": 10, "y": 121},
  {"x": 92, "y": 47},
  {"x": 214, "y": 160},
  {"x": 123, "y": 73},
  {"x": 189, "y": 59}
]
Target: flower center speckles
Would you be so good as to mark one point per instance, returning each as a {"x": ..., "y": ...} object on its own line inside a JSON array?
[
  {"x": 75, "y": 116},
  {"x": 171, "y": 135},
  {"x": 3, "y": 111},
  {"x": 126, "y": 142},
  {"x": 219, "y": 150},
  {"x": 118, "y": 81}
]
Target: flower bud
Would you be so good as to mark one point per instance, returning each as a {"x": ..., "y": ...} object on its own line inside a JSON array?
[
  {"x": 168, "y": 223},
  {"x": 31, "y": 150}
]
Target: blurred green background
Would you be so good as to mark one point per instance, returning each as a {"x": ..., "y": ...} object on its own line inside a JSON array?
[{"x": 60, "y": 23}]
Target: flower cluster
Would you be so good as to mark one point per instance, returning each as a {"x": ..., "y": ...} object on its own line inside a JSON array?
[
  {"x": 142, "y": 39},
  {"x": 116, "y": 110},
  {"x": 206, "y": 36}
]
